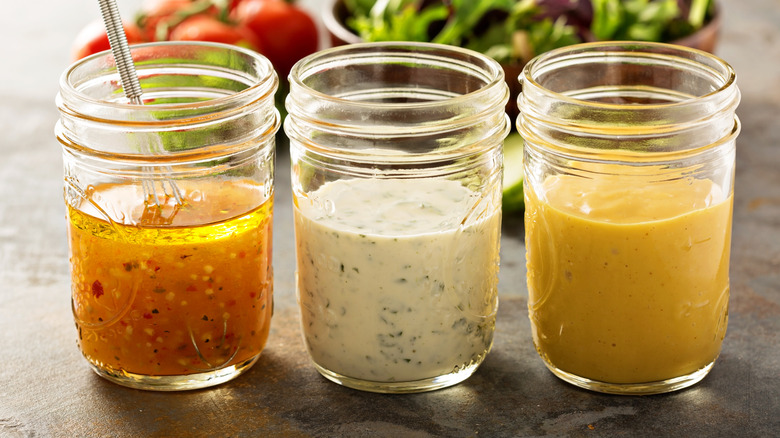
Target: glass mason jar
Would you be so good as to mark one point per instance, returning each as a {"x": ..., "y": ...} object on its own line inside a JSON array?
[
  {"x": 396, "y": 174},
  {"x": 169, "y": 208},
  {"x": 629, "y": 167}
]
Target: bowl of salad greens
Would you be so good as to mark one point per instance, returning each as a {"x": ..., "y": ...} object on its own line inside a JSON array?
[{"x": 514, "y": 31}]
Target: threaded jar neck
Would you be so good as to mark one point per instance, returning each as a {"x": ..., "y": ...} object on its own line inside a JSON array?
[
  {"x": 201, "y": 101},
  {"x": 396, "y": 103},
  {"x": 628, "y": 101}
]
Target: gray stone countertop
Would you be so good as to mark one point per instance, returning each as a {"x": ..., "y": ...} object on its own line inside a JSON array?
[{"x": 46, "y": 388}]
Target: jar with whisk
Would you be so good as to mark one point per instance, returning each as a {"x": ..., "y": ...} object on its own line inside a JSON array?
[{"x": 169, "y": 208}]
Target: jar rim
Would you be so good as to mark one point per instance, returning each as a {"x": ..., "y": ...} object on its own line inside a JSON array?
[
  {"x": 588, "y": 50},
  {"x": 495, "y": 72},
  {"x": 69, "y": 91},
  {"x": 399, "y": 113},
  {"x": 624, "y": 99},
  {"x": 194, "y": 86}
]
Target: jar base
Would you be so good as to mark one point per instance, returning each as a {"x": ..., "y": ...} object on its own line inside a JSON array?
[
  {"x": 407, "y": 387},
  {"x": 645, "y": 388},
  {"x": 175, "y": 383}
]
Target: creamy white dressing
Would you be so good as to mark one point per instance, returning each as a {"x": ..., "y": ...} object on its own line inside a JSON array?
[{"x": 394, "y": 284}]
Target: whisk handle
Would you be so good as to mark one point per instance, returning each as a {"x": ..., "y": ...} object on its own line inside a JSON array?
[{"x": 121, "y": 50}]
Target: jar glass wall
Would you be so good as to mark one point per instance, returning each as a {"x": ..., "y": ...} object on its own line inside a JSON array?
[
  {"x": 169, "y": 209},
  {"x": 396, "y": 175},
  {"x": 629, "y": 167}
]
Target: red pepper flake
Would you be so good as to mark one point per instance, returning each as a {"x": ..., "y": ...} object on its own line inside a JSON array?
[
  {"x": 252, "y": 294},
  {"x": 147, "y": 315},
  {"x": 97, "y": 289},
  {"x": 191, "y": 288},
  {"x": 231, "y": 302},
  {"x": 241, "y": 254}
]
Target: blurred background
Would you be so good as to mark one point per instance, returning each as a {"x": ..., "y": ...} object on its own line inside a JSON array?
[{"x": 39, "y": 37}]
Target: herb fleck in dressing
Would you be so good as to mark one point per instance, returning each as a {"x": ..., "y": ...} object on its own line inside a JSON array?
[
  {"x": 392, "y": 286},
  {"x": 189, "y": 297}
]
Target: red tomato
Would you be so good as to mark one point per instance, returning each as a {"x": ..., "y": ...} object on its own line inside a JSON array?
[
  {"x": 158, "y": 18},
  {"x": 233, "y": 4},
  {"x": 207, "y": 28},
  {"x": 93, "y": 39},
  {"x": 286, "y": 32}
]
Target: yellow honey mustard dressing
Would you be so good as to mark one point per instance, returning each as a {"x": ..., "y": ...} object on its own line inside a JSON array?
[
  {"x": 628, "y": 282},
  {"x": 174, "y": 293}
]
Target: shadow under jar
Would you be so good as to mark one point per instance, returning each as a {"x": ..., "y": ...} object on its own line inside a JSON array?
[
  {"x": 396, "y": 175},
  {"x": 169, "y": 213},
  {"x": 629, "y": 167}
]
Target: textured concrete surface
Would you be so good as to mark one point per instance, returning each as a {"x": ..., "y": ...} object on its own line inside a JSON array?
[{"x": 47, "y": 390}]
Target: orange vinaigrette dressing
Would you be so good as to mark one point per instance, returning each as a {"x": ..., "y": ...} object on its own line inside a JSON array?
[{"x": 192, "y": 296}]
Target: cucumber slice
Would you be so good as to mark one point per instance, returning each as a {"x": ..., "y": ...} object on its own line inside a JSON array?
[{"x": 513, "y": 200}]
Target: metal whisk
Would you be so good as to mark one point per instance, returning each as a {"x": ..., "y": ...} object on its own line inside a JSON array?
[{"x": 132, "y": 87}]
